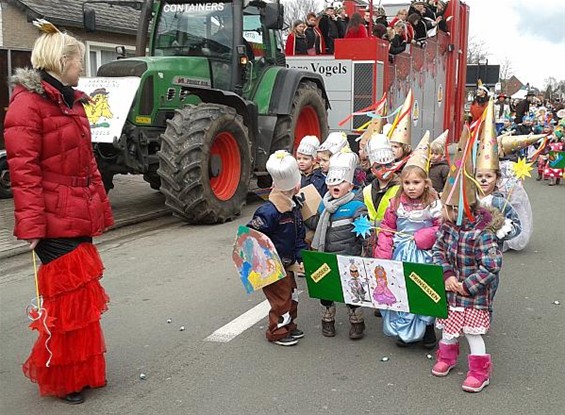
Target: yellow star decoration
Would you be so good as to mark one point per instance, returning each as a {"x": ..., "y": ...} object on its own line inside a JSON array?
[{"x": 522, "y": 169}]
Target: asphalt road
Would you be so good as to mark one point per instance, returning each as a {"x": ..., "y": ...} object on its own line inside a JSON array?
[{"x": 164, "y": 270}]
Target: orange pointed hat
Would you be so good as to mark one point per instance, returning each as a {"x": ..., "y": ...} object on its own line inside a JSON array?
[
  {"x": 459, "y": 190},
  {"x": 487, "y": 153},
  {"x": 421, "y": 155},
  {"x": 377, "y": 123},
  {"x": 401, "y": 131}
]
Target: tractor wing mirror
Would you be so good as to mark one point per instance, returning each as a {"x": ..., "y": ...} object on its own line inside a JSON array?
[
  {"x": 272, "y": 16},
  {"x": 89, "y": 19}
]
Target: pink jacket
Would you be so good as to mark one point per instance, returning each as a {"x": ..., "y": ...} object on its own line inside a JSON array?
[{"x": 424, "y": 238}]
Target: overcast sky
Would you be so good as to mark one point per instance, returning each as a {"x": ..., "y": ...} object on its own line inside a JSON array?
[{"x": 530, "y": 33}]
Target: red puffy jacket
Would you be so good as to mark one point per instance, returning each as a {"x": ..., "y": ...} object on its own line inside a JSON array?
[{"x": 58, "y": 191}]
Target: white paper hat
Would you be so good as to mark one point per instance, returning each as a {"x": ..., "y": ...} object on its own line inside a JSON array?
[
  {"x": 283, "y": 168},
  {"x": 342, "y": 167},
  {"x": 308, "y": 146},
  {"x": 379, "y": 149},
  {"x": 386, "y": 128},
  {"x": 335, "y": 142}
]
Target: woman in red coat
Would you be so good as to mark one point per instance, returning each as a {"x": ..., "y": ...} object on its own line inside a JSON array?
[
  {"x": 296, "y": 42},
  {"x": 60, "y": 204},
  {"x": 356, "y": 28}
]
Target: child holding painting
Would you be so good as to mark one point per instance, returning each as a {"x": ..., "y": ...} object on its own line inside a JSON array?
[
  {"x": 407, "y": 234},
  {"x": 280, "y": 219},
  {"x": 334, "y": 225}
]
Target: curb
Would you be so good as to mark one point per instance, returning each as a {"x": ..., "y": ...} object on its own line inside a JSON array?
[{"x": 134, "y": 220}]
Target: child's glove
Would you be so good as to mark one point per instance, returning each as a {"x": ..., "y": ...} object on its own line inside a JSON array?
[
  {"x": 505, "y": 230},
  {"x": 425, "y": 238}
]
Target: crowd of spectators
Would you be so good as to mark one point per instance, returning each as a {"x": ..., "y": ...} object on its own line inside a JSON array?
[{"x": 317, "y": 35}]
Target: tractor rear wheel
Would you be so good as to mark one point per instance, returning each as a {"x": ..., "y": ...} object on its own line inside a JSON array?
[
  {"x": 205, "y": 163},
  {"x": 308, "y": 116}
]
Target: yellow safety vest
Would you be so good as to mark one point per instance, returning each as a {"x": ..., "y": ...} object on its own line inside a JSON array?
[{"x": 379, "y": 213}]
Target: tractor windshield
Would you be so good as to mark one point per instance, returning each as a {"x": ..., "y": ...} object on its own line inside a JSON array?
[{"x": 194, "y": 29}]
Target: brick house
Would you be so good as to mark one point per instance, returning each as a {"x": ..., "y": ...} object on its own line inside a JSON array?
[{"x": 116, "y": 26}]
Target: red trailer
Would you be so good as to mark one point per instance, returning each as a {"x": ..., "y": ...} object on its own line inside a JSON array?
[{"x": 361, "y": 70}]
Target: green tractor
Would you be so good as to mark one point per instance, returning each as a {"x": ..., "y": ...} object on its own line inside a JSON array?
[{"x": 215, "y": 99}]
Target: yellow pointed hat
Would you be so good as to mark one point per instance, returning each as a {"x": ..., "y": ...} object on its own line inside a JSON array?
[
  {"x": 457, "y": 180},
  {"x": 377, "y": 123},
  {"x": 401, "y": 131},
  {"x": 487, "y": 154},
  {"x": 421, "y": 155},
  {"x": 509, "y": 144},
  {"x": 441, "y": 139}
]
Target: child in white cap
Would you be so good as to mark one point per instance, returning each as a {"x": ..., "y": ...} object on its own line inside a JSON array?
[
  {"x": 307, "y": 164},
  {"x": 334, "y": 225},
  {"x": 280, "y": 219},
  {"x": 335, "y": 142}
]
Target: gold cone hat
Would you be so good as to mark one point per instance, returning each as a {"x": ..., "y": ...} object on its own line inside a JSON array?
[
  {"x": 401, "y": 131},
  {"x": 376, "y": 125},
  {"x": 421, "y": 155},
  {"x": 457, "y": 180},
  {"x": 441, "y": 139},
  {"x": 487, "y": 154},
  {"x": 509, "y": 144}
]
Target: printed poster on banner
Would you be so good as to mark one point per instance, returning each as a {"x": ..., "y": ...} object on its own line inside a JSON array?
[
  {"x": 376, "y": 283},
  {"x": 110, "y": 102},
  {"x": 256, "y": 259}
]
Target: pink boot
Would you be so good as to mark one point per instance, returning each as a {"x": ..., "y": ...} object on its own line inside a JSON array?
[
  {"x": 478, "y": 374},
  {"x": 446, "y": 357}
]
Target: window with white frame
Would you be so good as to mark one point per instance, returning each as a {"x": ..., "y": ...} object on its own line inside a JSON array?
[{"x": 100, "y": 53}]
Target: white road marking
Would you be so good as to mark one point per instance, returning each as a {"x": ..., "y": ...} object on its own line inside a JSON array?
[{"x": 238, "y": 325}]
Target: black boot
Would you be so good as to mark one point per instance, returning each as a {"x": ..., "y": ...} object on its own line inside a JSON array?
[
  {"x": 74, "y": 398},
  {"x": 429, "y": 341},
  {"x": 356, "y": 331},
  {"x": 328, "y": 328}
]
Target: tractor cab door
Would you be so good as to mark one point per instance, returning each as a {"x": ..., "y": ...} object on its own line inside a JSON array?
[
  {"x": 265, "y": 45},
  {"x": 198, "y": 28}
]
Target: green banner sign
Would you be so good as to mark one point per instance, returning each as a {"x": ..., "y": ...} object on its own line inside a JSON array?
[{"x": 376, "y": 283}]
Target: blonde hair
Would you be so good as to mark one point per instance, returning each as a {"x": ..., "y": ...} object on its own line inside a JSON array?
[
  {"x": 50, "y": 49},
  {"x": 437, "y": 148},
  {"x": 428, "y": 197}
]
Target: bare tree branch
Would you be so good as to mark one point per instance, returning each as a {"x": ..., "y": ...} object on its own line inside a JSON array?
[
  {"x": 299, "y": 9},
  {"x": 506, "y": 70},
  {"x": 476, "y": 50}
]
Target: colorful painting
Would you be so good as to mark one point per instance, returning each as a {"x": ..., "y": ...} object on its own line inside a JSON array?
[
  {"x": 557, "y": 159},
  {"x": 376, "y": 283},
  {"x": 256, "y": 259},
  {"x": 110, "y": 100}
]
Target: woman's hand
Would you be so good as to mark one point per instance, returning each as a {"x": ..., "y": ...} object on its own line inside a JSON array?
[{"x": 32, "y": 243}]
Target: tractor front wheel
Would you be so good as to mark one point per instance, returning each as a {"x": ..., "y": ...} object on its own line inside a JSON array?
[{"x": 205, "y": 163}]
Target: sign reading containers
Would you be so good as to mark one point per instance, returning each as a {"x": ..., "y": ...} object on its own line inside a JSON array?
[{"x": 191, "y": 8}]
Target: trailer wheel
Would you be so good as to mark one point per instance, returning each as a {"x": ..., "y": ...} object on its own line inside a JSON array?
[
  {"x": 5, "y": 187},
  {"x": 308, "y": 117},
  {"x": 205, "y": 163}
]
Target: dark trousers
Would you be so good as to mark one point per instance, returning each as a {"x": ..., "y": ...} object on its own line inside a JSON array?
[{"x": 284, "y": 309}]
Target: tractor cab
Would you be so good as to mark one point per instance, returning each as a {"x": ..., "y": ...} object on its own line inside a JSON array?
[{"x": 236, "y": 38}]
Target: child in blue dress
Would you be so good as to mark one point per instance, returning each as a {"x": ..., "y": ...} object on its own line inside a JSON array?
[{"x": 407, "y": 234}]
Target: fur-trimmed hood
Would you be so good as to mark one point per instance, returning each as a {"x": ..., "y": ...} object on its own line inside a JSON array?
[{"x": 30, "y": 80}]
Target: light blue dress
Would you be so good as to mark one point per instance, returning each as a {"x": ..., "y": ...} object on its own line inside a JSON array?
[{"x": 407, "y": 326}]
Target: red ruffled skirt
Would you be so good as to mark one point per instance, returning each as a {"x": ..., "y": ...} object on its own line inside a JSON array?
[{"x": 74, "y": 301}]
